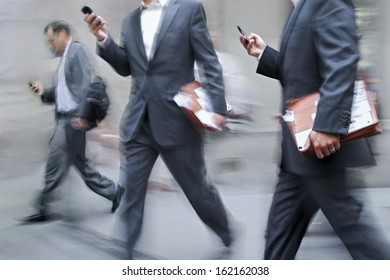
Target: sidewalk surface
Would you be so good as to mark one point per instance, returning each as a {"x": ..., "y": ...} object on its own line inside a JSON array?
[{"x": 241, "y": 163}]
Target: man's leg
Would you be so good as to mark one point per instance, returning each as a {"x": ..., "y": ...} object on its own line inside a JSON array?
[
  {"x": 57, "y": 164},
  {"x": 347, "y": 217},
  {"x": 137, "y": 160},
  {"x": 291, "y": 211},
  {"x": 93, "y": 179},
  {"x": 187, "y": 166}
]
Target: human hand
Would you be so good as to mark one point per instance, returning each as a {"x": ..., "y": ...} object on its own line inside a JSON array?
[
  {"x": 220, "y": 120},
  {"x": 36, "y": 87},
  {"x": 324, "y": 144},
  {"x": 97, "y": 26},
  {"x": 79, "y": 123},
  {"x": 256, "y": 44}
]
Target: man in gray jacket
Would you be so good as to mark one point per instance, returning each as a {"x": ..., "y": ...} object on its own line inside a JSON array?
[{"x": 67, "y": 145}]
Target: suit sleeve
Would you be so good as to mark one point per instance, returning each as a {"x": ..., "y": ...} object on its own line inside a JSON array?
[
  {"x": 48, "y": 95},
  {"x": 336, "y": 43},
  {"x": 80, "y": 75},
  {"x": 207, "y": 59},
  {"x": 116, "y": 55},
  {"x": 268, "y": 64}
]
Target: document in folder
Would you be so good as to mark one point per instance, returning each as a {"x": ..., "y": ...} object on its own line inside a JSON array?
[
  {"x": 194, "y": 101},
  {"x": 364, "y": 116}
]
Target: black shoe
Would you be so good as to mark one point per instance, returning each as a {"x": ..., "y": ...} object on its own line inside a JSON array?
[
  {"x": 117, "y": 199},
  {"x": 39, "y": 217}
]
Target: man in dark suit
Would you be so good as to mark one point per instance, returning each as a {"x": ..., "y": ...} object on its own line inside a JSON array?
[
  {"x": 318, "y": 53},
  {"x": 160, "y": 42},
  {"x": 67, "y": 145}
]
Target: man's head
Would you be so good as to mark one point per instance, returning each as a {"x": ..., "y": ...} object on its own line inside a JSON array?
[{"x": 58, "y": 35}]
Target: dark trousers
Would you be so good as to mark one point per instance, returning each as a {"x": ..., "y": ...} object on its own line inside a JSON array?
[
  {"x": 67, "y": 147},
  {"x": 297, "y": 199},
  {"x": 186, "y": 164}
]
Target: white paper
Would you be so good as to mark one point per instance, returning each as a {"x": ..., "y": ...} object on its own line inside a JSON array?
[
  {"x": 361, "y": 111},
  {"x": 288, "y": 116},
  {"x": 183, "y": 100},
  {"x": 301, "y": 137},
  {"x": 203, "y": 99},
  {"x": 205, "y": 116}
]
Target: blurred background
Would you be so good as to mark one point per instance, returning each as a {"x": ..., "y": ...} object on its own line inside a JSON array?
[{"x": 242, "y": 160}]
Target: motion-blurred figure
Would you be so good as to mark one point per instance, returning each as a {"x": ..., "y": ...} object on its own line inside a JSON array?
[
  {"x": 160, "y": 42},
  {"x": 67, "y": 145},
  {"x": 319, "y": 52}
]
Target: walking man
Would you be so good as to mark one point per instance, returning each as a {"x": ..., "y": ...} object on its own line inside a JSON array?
[
  {"x": 67, "y": 145},
  {"x": 318, "y": 53},
  {"x": 161, "y": 40}
]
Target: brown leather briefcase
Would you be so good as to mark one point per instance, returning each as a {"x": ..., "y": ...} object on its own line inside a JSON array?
[{"x": 303, "y": 112}]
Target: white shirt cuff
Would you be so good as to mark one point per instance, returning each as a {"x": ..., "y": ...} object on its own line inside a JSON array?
[
  {"x": 104, "y": 42},
  {"x": 259, "y": 57}
]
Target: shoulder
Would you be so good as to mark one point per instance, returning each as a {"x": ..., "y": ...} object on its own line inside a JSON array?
[
  {"x": 77, "y": 49},
  {"x": 321, "y": 5},
  {"x": 328, "y": 11}
]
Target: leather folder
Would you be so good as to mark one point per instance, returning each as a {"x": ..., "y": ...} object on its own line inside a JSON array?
[
  {"x": 364, "y": 116},
  {"x": 194, "y": 102}
]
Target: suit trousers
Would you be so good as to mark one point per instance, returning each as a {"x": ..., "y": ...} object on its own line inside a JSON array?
[
  {"x": 297, "y": 199},
  {"x": 67, "y": 147},
  {"x": 186, "y": 164}
]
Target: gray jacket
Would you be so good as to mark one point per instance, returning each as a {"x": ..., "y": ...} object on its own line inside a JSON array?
[{"x": 182, "y": 39}]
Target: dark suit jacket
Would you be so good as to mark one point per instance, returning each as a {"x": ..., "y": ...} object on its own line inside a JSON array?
[
  {"x": 79, "y": 73},
  {"x": 182, "y": 39},
  {"x": 319, "y": 52}
]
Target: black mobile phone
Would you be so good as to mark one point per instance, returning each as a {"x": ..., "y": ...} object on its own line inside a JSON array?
[
  {"x": 86, "y": 10},
  {"x": 242, "y": 32}
]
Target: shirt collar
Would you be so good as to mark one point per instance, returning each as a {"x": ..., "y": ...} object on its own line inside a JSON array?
[
  {"x": 67, "y": 47},
  {"x": 295, "y": 2},
  {"x": 154, "y": 2}
]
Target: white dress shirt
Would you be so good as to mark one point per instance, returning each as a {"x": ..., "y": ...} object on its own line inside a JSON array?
[
  {"x": 64, "y": 98},
  {"x": 150, "y": 19}
]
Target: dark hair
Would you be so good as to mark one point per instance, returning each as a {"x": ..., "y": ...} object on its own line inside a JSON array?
[{"x": 57, "y": 26}]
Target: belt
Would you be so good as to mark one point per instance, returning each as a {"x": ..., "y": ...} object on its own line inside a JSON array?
[{"x": 64, "y": 115}]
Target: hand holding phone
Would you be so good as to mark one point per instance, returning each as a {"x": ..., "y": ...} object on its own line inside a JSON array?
[
  {"x": 36, "y": 87},
  {"x": 86, "y": 10},
  {"x": 95, "y": 23},
  {"x": 242, "y": 32}
]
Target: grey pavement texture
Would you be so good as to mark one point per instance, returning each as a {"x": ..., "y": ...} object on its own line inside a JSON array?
[{"x": 243, "y": 166}]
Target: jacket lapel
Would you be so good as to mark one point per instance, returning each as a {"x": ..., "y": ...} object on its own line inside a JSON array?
[
  {"x": 168, "y": 13},
  {"x": 289, "y": 25},
  {"x": 136, "y": 30}
]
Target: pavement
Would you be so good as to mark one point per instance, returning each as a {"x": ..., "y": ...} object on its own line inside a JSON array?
[{"x": 243, "y": 166}]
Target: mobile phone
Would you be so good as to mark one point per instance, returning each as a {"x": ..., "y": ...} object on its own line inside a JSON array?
[
  {"x": 242, "y": 32},
  {"x": 86, "y": 10}
]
